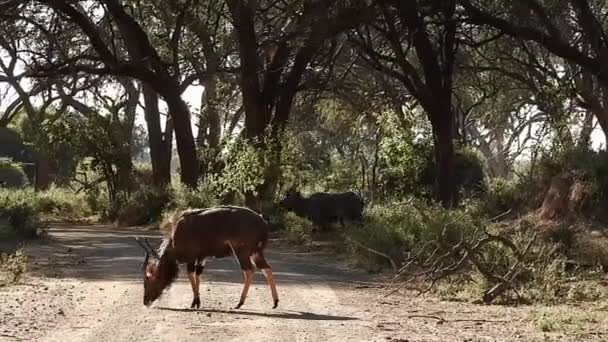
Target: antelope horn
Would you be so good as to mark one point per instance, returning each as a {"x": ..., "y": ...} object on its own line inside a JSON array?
[
  {"x": 142, "y": 245},
  {"x": 147, "y": 257},
  {"x": 151, "y": 249}
]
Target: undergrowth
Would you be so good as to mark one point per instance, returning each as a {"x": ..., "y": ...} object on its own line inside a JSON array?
[{"x": 12, "y": 267}]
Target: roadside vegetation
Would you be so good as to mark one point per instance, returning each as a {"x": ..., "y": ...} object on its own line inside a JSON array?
[{"x": 478, "y": 148}]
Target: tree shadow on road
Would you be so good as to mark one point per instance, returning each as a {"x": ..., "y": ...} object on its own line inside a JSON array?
[{"x": 284, "y": 315}]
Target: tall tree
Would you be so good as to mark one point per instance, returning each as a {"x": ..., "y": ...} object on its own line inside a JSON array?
[
  {"x": 142, "y": 61},
  {"x": 553, "y": 25},
  {"x": 290, "y": 37},
  {"x": 417, "y": 45}
]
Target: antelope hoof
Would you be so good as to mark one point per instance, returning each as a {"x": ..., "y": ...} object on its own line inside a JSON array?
[
  {"x": 196, "y": 303},
  {"x": 276, "y": 303},
  {"x": 239, "y": 305}
]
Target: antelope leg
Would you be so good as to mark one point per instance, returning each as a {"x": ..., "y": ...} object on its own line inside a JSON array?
[
  {"x": 248, "y": 279},
  {"x": 193, "y": 277},
  {"x": 200, "y": 266},
  {"x": 196, "y": 301},
  {"x": 273, "y": 288}
]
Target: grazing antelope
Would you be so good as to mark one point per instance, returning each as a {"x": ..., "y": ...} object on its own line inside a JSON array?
[{"x": 197, "y": 234}]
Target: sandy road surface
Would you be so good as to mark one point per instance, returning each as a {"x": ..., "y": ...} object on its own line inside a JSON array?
[{"x": 86, "y": 286}]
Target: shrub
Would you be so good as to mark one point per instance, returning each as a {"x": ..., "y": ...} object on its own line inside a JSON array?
[
  {"x": 202, "y": 197},
  {"x": 144, "y": 206},
  {"x": 19, "y": 207},
  {"x": 143, "y": 174},
  {"x": 168, "y": 217},
  {"x": 12, "y": 174},
  {"x": 63, "y": 203},
  {"x": 502, "y": 195},
  {"x": 12, "y": 267},
  {"x": 99, "y": 202},
  {"x": 470, "y": 174},
  {"x": 298, "y": 230}
]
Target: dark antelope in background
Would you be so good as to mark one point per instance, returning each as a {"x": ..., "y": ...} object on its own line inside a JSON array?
[
  {"x": 325, "y": 208},
  {"x": 197, "y": 234}
]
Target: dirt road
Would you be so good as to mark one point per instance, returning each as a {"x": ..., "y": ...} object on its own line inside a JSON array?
[{"x": 86, "y": 286}]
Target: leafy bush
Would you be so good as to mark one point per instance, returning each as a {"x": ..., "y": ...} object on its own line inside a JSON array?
[
  {"x": 143, "y": 174},
  {"x": 12, "y": 174},
  {"x": 99, "y": 202},
  {"x": 63, "y": 203},
  {"x": 143, "y": 206},
  {"x": 298, "y": 230},
  {"x": 20, "y": 208},
  {"x": 503, "y": 195},
  {"x": 202, "y": 197},
  {"x": 243, "y": 171},
  {"x": 12, "y": 267},
  {"x": 470, "y": 174}
]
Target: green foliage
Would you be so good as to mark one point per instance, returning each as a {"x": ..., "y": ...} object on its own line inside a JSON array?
[
  {"x": 502, "y": 195},
  {"x": 63, "y": 203},
  {"x": 201, "y": 197},
  {"x": 396, "y": 228},
  {"x": 298, "y": 230},
  {"x": 469, "y": 172},
  {"x": 20, "y": 208},
  {"x": 48, "y": 138},
  {"x": 103, "y": 147},
  {"x": 243, "y": 171},
  {"x": 12, "y": 267},
  {"x": 26, "y": 209},
  {"x": 143, "y": 206},
  {"x": 12, "y": 174},
  {"x": 341, "y": 176},
  {"x": 401, "y": 160},
  {"x": 143, "y": 174}
]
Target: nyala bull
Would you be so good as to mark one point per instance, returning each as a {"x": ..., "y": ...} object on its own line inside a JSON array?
[{"x": 198, "y": 234}]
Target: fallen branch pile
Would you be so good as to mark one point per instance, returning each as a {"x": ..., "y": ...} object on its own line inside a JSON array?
[{"x": 442, "y": 258}]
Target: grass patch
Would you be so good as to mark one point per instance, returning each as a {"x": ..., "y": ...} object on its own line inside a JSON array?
[{"x": 569, "y": 320}]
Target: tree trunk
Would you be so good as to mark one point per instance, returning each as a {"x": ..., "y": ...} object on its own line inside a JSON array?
[
  {"x": 186, "y": 149},
  {"x": 584, "y": 139},
  {"x": 497, "y": 165},
  {"x": 212, "y": 114},
  {"x": 161, "y": 161},
  {"x": 125, "y": 165},
  {"x": 602, "y": 118},
  {"x": 443, "y": 135},
  {"x": 210, "y": 129}
]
